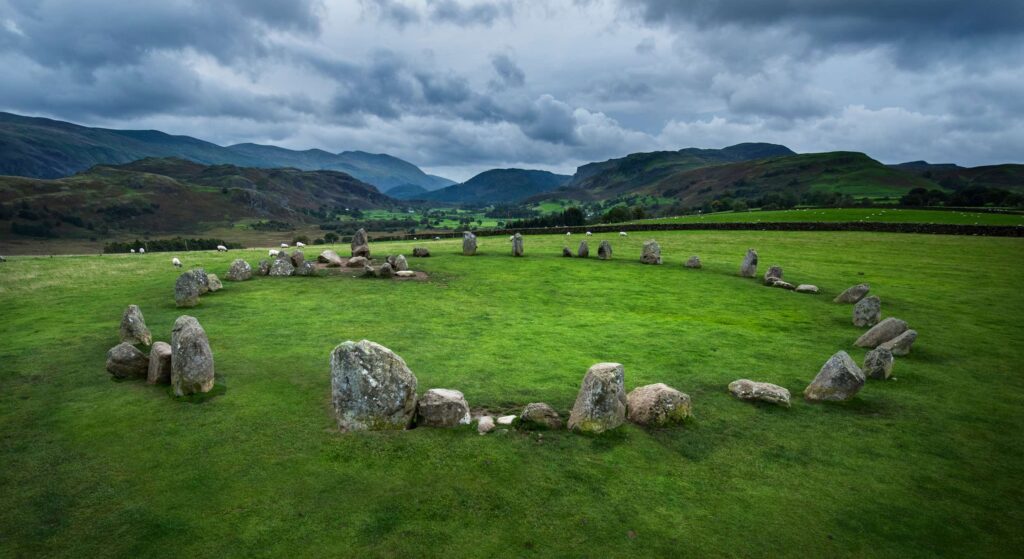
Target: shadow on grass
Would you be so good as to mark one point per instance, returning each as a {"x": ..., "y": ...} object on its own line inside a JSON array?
[{"x": 201, "y": 397}]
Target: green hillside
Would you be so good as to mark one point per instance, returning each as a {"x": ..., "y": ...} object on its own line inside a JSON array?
[{"x": 499, "y": 186}]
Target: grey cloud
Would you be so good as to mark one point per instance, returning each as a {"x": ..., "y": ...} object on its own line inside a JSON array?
[
  {"x": 509, "y": 73},
  {"x": 477, "y": 13},
  {"x": 392, "y": 11}
]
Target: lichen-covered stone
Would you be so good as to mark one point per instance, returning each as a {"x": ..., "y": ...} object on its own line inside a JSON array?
[
  {"x": 361, "y": 244},
  {"x": 126, "y": 361},
  {"x": 657, "y": 405},
  {"x": 750, "y": 390},
  {"x": 133, "y": 327},
  {"x": 601, "y": 402},
  {"x": 264, "y": 268},
  {"x": 604, "y": 250},
  {"x": 807, "y": 288},
  {"x": 853, "y": 294},
  {"x": 442, "y": 407},
  {"x": 282, "y": 268},
  {"x": 214, "y": 283},
  {"x": 297, "y": 258},
  {"x": 307, "y": 268},
  {"x": 650, "y": 253},
  {"x": 330, "y": 258},
  {"x": 240, "y": 270},
  {"x": 538, "y": 415},
  {"x": 421, "y": 252},
  {"x": 202, "y": 280},
  {"x": 517, "y": 245},
  {"x": 867, "y": 312},
  {"x": 900, "y": 345},
  {"x": 468, "y": 243},
  {"x": 584, "y": 250},
  {"x": 878, "y": 363},
  {"x": 371, "y": 387},
  {"x": 881, "y": 333},
  {"x": 773, "y": 274},
  {"x": 401, "y": 264},
  {"x": 838, "y": 380},
  {"x": 186, "y": 290},
  {"x": 748, "y": 268},
  {"x": 159, "y": 369},
  {"x": 191, "y": 358}
]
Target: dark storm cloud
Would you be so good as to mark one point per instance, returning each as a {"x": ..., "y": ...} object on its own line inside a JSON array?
[
  {"x": 393, "y": 11},
  {"x": 509, "y": 73}
]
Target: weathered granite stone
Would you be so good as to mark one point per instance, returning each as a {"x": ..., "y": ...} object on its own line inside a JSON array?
[
  {"x": 517, "y": 245},
  {"x": 133, "y": 327},
  {"x": 807, "y": 288},
  {"x": 385, "y": 271},
  {"x": 126, "y": 361},
  {"x": 264, "y": 268},
  {"x": 601, "y": 402},
  {"x": 214, "y": 283},
  {"x": 584, "y": 250},
  {"x": 604, "y": 250},
  {"x": 186, "y": 290},
  {"x": 878, "y": 363},
  {"x": 745, "y": 389},
  {"x": 191, "y": 358},
  {"x": 401, "y": 264},
  {"x": 657, "y": 405},
  {"x": 159, "y": 369},
  {"x": 331, "y": 258},
  {"x": 900, "y": 345},
  {"x": 838, "y": 380},
  {"x": 202, "y": 280},
  {"x": 484, "y": 424},
  {"x": 566, "y": 252},
  {"x": 506, "y": 419},
  {"x": 298, "y": 257},
  {"x": 748, "y": 268},
  {"x": 867, "y": 312},
  {"x": 305, "y": 269},
  {"x": 282, "y": 267},
  {"x": 539, "y": 415},
  {"x": 773, "y": 274},
  {"x": 371, "y": 387},
  {"x": 881, "y": 333},
  {"x": 693, "y": 262},
  {"x": 468, "y": 243},
  {"x": 357, "y": 262},
  {"x": 783, "y": 285},
  {"x": 420, "y": 252},
  {"x": 240, "y": 270},
  {"x": 442, "y": 407},
  {"x": 361, "y": 244},
  {"x": 651, "y": 252},
  {"x": 853, "y": 294}
]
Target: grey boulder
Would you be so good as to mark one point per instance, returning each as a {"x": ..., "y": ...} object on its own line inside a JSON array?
[
  {"x": 330, "y": 258},
  {"x": 838, "y": 380},
  {"x": 881, "y": 333},
  {"x": 298, "y": 257},
  {"x": 420, "y": 252},
  {"x": 361, "y": 244},
  {"x": 853, "y": 294},
  {"x": 773, "y": 274},
  {"x": 371, "y": 388},
  {"x": 604, "y": 250},
  {"x": 601, "y": 402},
  {"x": 214, "y": 283},
  {"x": 159, "y": 369},
  {"x": 584, "y": 250},
  {"x": 202, "y": 280},
  {"x": 281, "y": 268},
  {"x": 401, "y": 264},
  {"x": 748, "y": 268},
  {"x": 693, "y": 262},
  {"x": 442, "y": 407},
  {"x": 517, "y": 245},
  {"x": 878, "y": 363},
  {"x": 191, "y": 358},
  {"x": 186, "y": 290},
  {"x": 264, "y": 268},
  {"x": 126, "y": 361},
  {"x": 240, "y": 270},
  {"x": 307, "y": 268},
  {"x": 807, "y": 288},
  {"x": 357, "y": 262},
  {"x": 900, "y": 345},
  {"x": 567, "y": 252},
  {"x": 750, "y": 390},
  {"x": 538, "y": 416},
  {"x": 657, "y": 405},
  {"x": 468, "y": 243},
  {"x": 867, "y": 312},
  {"x": 133, "y": 327},
  {"x": 651, "y": 252}
]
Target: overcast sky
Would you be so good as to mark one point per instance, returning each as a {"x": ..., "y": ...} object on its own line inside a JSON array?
[{"x": 460, "y": 86}]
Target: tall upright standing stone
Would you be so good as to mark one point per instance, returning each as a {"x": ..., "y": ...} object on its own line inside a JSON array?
[
  {"x": 601, "y": 402},
  {"x": 361, "y": 244},
  {"x": 584, "y": 250},
  {"x": 133, "y": 327},
  {"x": 517, "y": 245},
  {"x": 651, "y": 253},
  {"x": 186, "y": 290},
  {"x": 468, "y": 243},
  {"x": 371, "y": 388},
  {"x": 604, "y": 250},
  {"x": 748, "y": 268},
  {"x": 191, "y": 358}
]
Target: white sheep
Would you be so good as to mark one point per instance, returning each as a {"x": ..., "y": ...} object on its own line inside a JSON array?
[
  {"x": 437, "y": 238},
  {"x": 284, "y": 245},
  {"x": 511, "y": 237},
  {"x": 222, "y": 248},
  {"x": 133, "y": 251},
  {"x": 176, "y": 262},
  {"x": 142, "y": 250},
  {"x": 300, "y": 244},
  {"x": 589, "y": 233},
  {"x": 273, "y": 252},
  {"x": 567, "y": 233},
  {"x": 622, "y": 234}
]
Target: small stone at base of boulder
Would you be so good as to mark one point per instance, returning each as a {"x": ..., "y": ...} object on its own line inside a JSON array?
[
  {"x": 405, "y": 274},
  {"x": 807, "y": 288},
  {"x": 539, "y": 415},
  {"x": 506, "y": 419},
  {"x": 878, "y": 363},
  {"x": 900, "y": 345},
  {"x": 126, "y": 361},
  {"x": 838, "y": 380},
  {"x": 159, "y": 370},
  {"x": 485, "y": 424},
  {"x": 881, "y": 333},
  {"x": 657, "y": 405},
  {"x": 750, "y": 390},
  {"x": 693, "y": 262},
  {"x": 357, "y": 262},
  {"x": 442, "y": 407}
]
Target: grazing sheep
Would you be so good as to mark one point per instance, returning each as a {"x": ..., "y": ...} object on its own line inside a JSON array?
[
  {"x": 273, "y": 252},
  {"x": 622, "y": 234},
  {"x": 437, "y": 238},
  {"x": 142, "y": 251},
  {"x": 300, "y": 244},
  {"x": 589, "y": 233},
  {"x": 133, "y": 251},
  {"x": 511, "y": 237},
  {"x": 567, "y": 233},
  {"x": 222, "y": 248},
  {"x": 284, "y": 245},
  {"x": 176, "y": 262}
]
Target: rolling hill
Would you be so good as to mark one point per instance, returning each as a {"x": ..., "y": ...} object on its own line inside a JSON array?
[
  {"x": 1008, "y": 176},
  {"x": 45, "y": 148},
  {"x": 498, "y": 186},
  {"x": 172, "y": 195}
]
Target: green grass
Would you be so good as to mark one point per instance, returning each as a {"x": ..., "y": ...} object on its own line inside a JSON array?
[
  {"x": 880, "y": 215},
  {"x": 929, "y": 464}
]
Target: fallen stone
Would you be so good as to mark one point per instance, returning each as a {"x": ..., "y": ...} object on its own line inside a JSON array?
[
  {"x": 773, "y": 274},
  {"x": 878, "y": 363},
  {"x": 853, "y": 294},
  {"x": 693, "y": 262},
  {"x": 371, "y": 388},
  {"x": 657, "y": 405},
  {"x": 604, "y": 250},
  {"x": 133, "y": 327},
  {"x": 748, "y": 268},
  {"x": 517, "y": 245},
  {"x": 867, "y": 312},
  {"x": 783, "y": 285},
  {"x": 506, "y": 419},
  {"x": 361, "y": 244},
  {"x": 214, "y": 282},
  {"x": 650, "y": 253},
  {"x": 186, "y": 290},
  {"x": 405, "y": 274},
  {"x": 759, "y": 391},
  {"x": 419, "y": 252},
  {"x": 601, "y": 402},
  {"x": 240, "y": 270},
  {"x": 191, "y": 358},
  {"x": 468, "y": 243},
  {"x": 584, "y": 250},
  {"x": 838, "y": 380},
  {"x": 485, "y": 424},
  {"x": 282, "y": 267},
  {"x": 357, "y": 262},
  {"x": 159, "y": 369},
  {"x": 807, "y": 288},
  {"x": 442, "y": 407},
  {"x": 881, "y": 333},
  {"x": 330, "y": 258},
  {"x": 401, "y": 264},
  {"x": 126, "y": 361},
  {"x": 539, "y": 415},
  {"x": 900, "y": 345}
]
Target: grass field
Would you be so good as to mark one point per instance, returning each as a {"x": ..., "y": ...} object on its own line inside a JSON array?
[
  {"x": 930, "y": 464},
  {"x": 880, "y": 215}
]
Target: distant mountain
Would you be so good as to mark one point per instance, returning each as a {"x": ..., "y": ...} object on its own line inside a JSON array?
[
  {"x": 407, "y": 192},
  {"x": 172, "y": 195},
  {"x": 499, "y": 186},
  {"x": 1008, "y": 176},
  {"x": 44, "y": 148}
]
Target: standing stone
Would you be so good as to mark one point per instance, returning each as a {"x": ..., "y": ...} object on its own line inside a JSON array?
[
  {"x": 214, "y": 283},
  {"x": 191, "y": 358},
  {"x": 517, "y": 245},
  {"x": 566, "y": 252},
  {"x": 881, "y": 333},
  {"x": 371, "y": 388},
  {"x": 657, "y": 405},
  {"x": 867, "y": 312},
  {"x": 838, "y": 380},
  {"x": 748, "y": 268},
  {"x": 604, "y": 250},
  {"x": 361, "y": 244},
  {"x": 773, "y": 274},
  {"x": 330, "y": 258},
  {"x": 900, "y": 345},
  {"x": 807, "y": 288},
  {"x": 159, "y": 370},
  {"x": 468, "y": 243},
  {"x": 878, "y": 363},
  {"x": 420, "y": 252},
  {"x": 240, "y": 270},
  {"x": 601, "y": 402},
  {"x": 264, "y": 267},
  {"x": 539, "y": 415},
  {"x": 126, "y": 361},
  {"x": 760, "y": 391},
  {"x": 385, "y": 271},
  {"x": 186, "y": 290},
  {"x": 202, "y": 280},
  {"x": 584, "y": 250},
  {"x": 133, "y": 327},
  {"x": 401, "y": 264},
  {"x": 298, "y": 257},
  {"x": 693, "y": 262},
  {"x": 651, "y": 252},
  {"x": 853, "y": 294},
  {"x": 484, "y": 424},
  {"x": 282, "y": 267},
  {"x": 441, "y": 407},
  {"x": 307, "y": 268}
]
